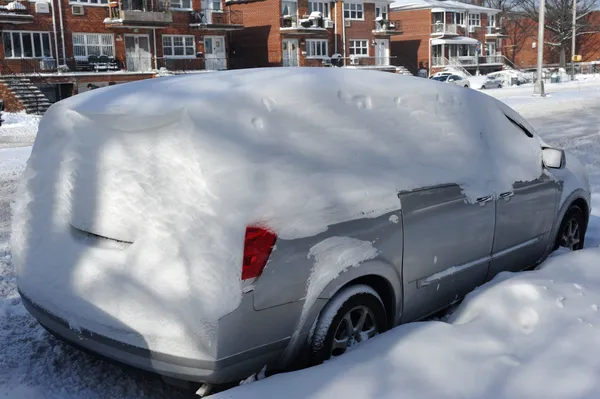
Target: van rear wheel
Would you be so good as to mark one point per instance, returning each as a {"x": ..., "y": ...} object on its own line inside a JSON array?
[{"x": 354, "y": 315}]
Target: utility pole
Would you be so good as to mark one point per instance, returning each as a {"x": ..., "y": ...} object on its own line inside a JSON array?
[
  {"x": 538, "y": 88},
  {"x": 573, "y": 43}
]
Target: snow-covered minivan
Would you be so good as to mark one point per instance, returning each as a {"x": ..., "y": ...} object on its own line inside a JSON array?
[{"x": 205, "y": 226}]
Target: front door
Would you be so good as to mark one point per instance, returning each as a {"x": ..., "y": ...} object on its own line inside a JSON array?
[
  {"x": 447, "y": 247},
  {"x": 490, "y": 48},
  {"x": 290, "y": 52},
  {"x": 382, "y": 52},
  {"x": 524, "y": 215},
  {"x": 137, "y": 51},
  {"x": 214, "y": 49}
]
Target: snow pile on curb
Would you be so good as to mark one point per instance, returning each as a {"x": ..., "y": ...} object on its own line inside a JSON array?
[
  {"x": 179, "y": 179},
  {"x": 529, "y": 335}
]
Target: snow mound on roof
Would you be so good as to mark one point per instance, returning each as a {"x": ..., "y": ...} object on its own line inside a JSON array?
[
  {"x": 177, "y": 167},
  {"x": 527, "y": 335}
]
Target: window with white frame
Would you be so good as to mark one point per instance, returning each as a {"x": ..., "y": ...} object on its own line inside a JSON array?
[
  {"x": 353, "y": 11},
  {"x": 381, "y": 11},
  {"x": 289, "y": 8},
  {"x": 178, "y": 46},
  {"x": 359, "y": 47},
  {"x": 316, "y": 48},
  {"x": 492, "y": 20},
  {"x": 26, "y": 44},
  {"x": 86, "y": 44},
  {"x": 320, "y": 6},
  {"x": 88, "y": 2},
  {"x": 459, "y": 18},
  {"x": 474, "y": 19},
  {"x": 181, "y": 4}
]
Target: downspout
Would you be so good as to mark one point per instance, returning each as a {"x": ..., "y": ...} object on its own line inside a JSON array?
[
  {"x": 429, "y": 62},
  {"x": 335, "y": 31},
  {"x": 344, "y": 32},
  {"x": 155, "y": 53},
  {"x": 62, "y": 31},
  {"x": 56, "y": 54}
]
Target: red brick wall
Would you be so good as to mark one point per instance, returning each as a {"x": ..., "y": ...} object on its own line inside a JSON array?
[{"x": 411, "y": 49}]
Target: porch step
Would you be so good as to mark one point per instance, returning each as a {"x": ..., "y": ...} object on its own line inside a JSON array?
[{"x": 27, "y": 93}]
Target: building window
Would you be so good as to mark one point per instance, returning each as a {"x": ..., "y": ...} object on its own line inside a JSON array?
[
  {"x": 316, "y": 48},
  {"x": 181, "y": 4},
  {"x": 474, "y": 19},
  {"x": 459, "y": 18},
  {"x": 176, "y": 46},
  {"x": 381, "y": 11},
  {"x": 88, "y": 1},
  {"x": 320, "y": 6},
  {"x": 359, "y": 47},
  {"x": 289, "y": 8},
  {"x": 353, "y": 11},
  {"x": 492, "y": 20},
  {"x": 26, "y": 44},
  {"x": 86, "y": 44}
]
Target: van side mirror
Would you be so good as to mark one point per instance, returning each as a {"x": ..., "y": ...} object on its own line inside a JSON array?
[{"x": 553, "y": 158}]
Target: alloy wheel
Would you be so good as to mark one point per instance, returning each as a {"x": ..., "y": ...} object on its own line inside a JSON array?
[{"x": 357, "y": 325}]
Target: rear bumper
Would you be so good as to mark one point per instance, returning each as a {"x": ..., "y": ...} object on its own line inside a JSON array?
[{"x": 218, "y": 371}]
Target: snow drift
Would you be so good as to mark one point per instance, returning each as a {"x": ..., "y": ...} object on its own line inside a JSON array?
[
  {"x": 529, "y": 335},
  {"x": 131, "y": 215}
]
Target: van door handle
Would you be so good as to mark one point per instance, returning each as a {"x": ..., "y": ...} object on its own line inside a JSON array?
[
  {"x": 507, "y": 195},
  {"x": 483, "y": 200}
]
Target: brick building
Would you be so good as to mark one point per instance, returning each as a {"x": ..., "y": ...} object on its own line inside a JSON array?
[
  {"x": 310, "y": 33},
  {"x": 60, "y": 46},
  {"x": 439, "y": 33}
]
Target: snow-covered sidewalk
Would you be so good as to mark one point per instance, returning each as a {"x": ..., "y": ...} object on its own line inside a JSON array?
[{"x": 528, "y": 335}]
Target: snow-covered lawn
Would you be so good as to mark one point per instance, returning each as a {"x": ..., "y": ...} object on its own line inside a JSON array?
[{"x": 531, "y": 336}]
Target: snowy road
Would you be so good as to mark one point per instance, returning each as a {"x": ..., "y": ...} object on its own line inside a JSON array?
[{"x": 35, "y": 365}]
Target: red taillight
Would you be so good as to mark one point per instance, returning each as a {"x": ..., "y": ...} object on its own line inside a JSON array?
[{"x": 258, "y": 245}]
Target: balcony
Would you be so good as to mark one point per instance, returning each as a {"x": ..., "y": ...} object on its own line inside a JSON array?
[
  {"x": 386, "y": 27},
  {"x": 139, "y": 13},
  {"x": 494, "y": 31},
  {"x": 16, "y": 13},
  {"x": 217, "y": 19},
  {"x": 467, "y": 61},
  {"x": 313, "y": 24},
  {"x": 439, "y": 28}
]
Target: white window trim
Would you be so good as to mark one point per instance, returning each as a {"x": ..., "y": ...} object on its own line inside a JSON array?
[
  {"x": 325, "y": 2},
  {"x": 478, "y": 24},
  {"x": 27, "y": 31},
  {"x": 490, "y": 17},
  {"x": 76, "y": 3},
  {"x": 358, "y": 40},
  {"x": 181, "y": 8},
  {"x": 84, "y": 57},
  {"x": 350, "y": 12},
  {"x": 180, "y": 57},
  {"x": 308, "y": 41}
]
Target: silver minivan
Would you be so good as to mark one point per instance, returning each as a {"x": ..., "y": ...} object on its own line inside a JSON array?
[{"x": 203, "y": 227}]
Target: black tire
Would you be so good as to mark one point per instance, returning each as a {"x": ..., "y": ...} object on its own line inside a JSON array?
[
  {"x": 499, "y": 86},
  {"x": 483, "y": 87},
  {"x": 574, "y": 219},
  {"x": 332, "y": 322}
]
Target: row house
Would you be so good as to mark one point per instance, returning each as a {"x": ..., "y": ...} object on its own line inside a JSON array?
[
  {"x": 314, "y": 33},
  {"x": 63, "y": 45},
  {"x": 442, "y": 33}
]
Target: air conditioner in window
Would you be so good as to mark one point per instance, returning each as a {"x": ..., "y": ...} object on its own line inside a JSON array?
[
  {"x": 354, "y": 60},
  {"x": 77, "y": 10},
  {"x": 472, "y": 29},
  {"x": 42, "y": 7},
  {"x": 47, "y": 64},
  {"x": 347, "y": 23},
  {"x": 329, "y": 23}
]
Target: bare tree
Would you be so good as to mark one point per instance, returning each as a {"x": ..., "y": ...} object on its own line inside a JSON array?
[
  {"x": 519, "y": 29},
  {"x": 559, "y": 21}
]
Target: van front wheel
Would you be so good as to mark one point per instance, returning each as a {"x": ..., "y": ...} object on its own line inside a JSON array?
[{"x": 354, "y": 315}]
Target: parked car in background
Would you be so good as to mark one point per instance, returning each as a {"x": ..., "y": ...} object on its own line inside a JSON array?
[
  {"x": 454, "y": 79},
  {"x": 202, "y": 246},
  {"x": 491, "y": 82}
]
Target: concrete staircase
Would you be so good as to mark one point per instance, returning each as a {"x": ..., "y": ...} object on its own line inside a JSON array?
[{"x": 26, "y": 95}]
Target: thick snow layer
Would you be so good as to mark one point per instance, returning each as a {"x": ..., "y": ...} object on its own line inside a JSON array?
[
  {"x": 18, "y": 129},
  {"x": 526, "y": 335},
  {"x": 180, "y": 178}
]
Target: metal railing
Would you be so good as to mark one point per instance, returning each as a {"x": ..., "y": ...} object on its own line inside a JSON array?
[
  {"x": 182, "y": 65},
  {"x": 494, "y": 59},
  {"x": 440, "y": 28},
  {"x": 24, "y": 83},
  {"x": 217, "y": 17},
  {"x": 386, "y": 25},
  {"x": 142, "y": 5}
]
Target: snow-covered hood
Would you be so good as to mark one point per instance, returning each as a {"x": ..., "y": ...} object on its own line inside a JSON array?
[{"x": 172, "y": 170}]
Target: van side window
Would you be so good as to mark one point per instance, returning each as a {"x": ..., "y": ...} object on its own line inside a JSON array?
[{"x": 527, "y": 132}]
